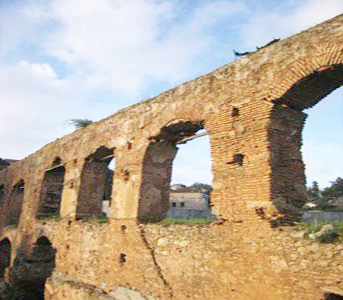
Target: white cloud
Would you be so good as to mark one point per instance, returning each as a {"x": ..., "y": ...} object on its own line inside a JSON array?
[
  {"x": 20, "y": 23},
  {"x": 286, "y": 18},
  {"x": 115, "y": 46},
  {"x": 33, "y": 104},
  {"x": 64, "y": 59},
  {"x": 124, "y": 44}
]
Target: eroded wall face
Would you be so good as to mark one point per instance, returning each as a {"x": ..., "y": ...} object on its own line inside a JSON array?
[
  {"x": 2, "y": 195},
  {"x": 241, "y": 161},
  {"x": 92, "y": 189},
  {"x": 288, "y": 171},
  {"x": 51, "y": 193},
  {"x": 156, "y": 177},
  {"x": 185, "y": 262},
  {"x": 15, "y": 204},
  {"x": 254, "y": 144},
  {"x": 5, "y": 256}
]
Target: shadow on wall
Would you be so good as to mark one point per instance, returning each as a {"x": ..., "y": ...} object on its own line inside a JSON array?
[
  {"x": 96, "y": 184},
  {"x": 332, "y": 297},
  {"x": 15, "y": 203},
  {"x": 5, "y": 256},
  {"x": 30, "y": 272},
  {"x": 51, "y": 190},
  {"x": 285, "y": 138}
]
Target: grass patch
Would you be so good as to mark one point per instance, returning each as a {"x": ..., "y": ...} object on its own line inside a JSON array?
[
  {"x": 316, "y": 209},
  {"x": 313, "y": 228},
  {"x": 102, "y": 220},
  {"x": 191, "y": 222},
  {"x": 50, "y": 219},
  {"x": 99, "y": 220},
  {"x": 333, "y": 209}
]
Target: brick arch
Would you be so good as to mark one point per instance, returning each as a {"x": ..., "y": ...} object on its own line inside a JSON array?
[
  {"x": 302, "y": 85},
  {"x": 316, "y": 76},
  {"x": 157, "y": 168},
  {"x": 255, "y": 130}
]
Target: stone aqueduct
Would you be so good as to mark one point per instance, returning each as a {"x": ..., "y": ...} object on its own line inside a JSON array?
[{"x": 252, "y": 112}]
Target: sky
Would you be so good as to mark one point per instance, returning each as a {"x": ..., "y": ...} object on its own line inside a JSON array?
[{"x": 66, "y": 59}]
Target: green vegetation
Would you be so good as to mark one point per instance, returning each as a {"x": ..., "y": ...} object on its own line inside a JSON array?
[
  {"x": 99, "y": 220},
  {"x": 323, "y": 199},
  {"x": 102, "y": 220},
  {"x": 50, "y": 219},
  {"x": 314, "y": 228},
  {"x": 80, "y": 123},
  {"x": 191, "y": 222}
]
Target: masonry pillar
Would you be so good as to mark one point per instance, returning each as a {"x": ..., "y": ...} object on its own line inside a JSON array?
[
  {"x": 257, "y": 163},
  {"x": 126, "y": 186},
  {"x": 288, "y": 176},
  {"x": 241, "y": 161},
  {"x": 142, "y": 182},
  {"x": 156, "y": 177},
  {"x": 71, "y": 187}
]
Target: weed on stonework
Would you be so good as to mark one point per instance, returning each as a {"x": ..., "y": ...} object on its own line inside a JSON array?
[
  {"x": 190, "y": 222},
  {"x": 103, "y": 220},
  {"x": 100, "y": 220},
  {"x": 327, "y": 236}
]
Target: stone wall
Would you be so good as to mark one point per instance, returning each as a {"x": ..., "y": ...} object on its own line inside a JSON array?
[
  {"x": 93, "y": 261},
  {"x": 252, "y": 111}
]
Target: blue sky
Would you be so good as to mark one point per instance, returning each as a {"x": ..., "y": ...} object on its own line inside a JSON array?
[{"x": 63, "y": 59}]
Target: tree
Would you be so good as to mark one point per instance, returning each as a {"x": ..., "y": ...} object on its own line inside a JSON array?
[
  {"x": 314, "y": 191},
  {"x": 204, "y": 186},
  {"x": 325, "y": 198},
  {"x": 335, "y": 190},
  {"x": 80, "y": 123}
]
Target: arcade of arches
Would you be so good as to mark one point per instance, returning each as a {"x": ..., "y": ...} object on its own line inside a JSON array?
[{"x": 252, "y": 112}]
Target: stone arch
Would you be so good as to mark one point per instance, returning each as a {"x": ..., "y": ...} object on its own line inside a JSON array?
[
  {"x": 157, "y": 169},
  {"x": 16, "y": 203},
  {"x": 51, "y": 190},
  {"x": 31, "y": 271},
  {"x": 305, "y": 84},
  {"x": 5, "y": 257},
  {"x": 96, "y": 184}
]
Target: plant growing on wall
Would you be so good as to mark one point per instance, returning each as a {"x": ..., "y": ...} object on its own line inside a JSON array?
[{"x": 80, "y": 123}]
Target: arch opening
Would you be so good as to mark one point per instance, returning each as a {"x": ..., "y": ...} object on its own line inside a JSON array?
[
  {"x": 95, "y": 193},
  {"x": 2, "y": 194},
  {"x": 16, "y": 203},
  {"x": 31, "y": 272},
  {"x": 288, "y": 184},
  {"x": 157, "y": 200},
  {"x": 308, "y": 91},
  {"x": 190, "y": 190},
  {"x": 322, "y": 153},
  {"x": 5, "y": 257},
  {"x": 51, "y": 190}
]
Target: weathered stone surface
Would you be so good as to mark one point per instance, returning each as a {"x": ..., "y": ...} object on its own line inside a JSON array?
[{"x": 252, "y": 111}]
